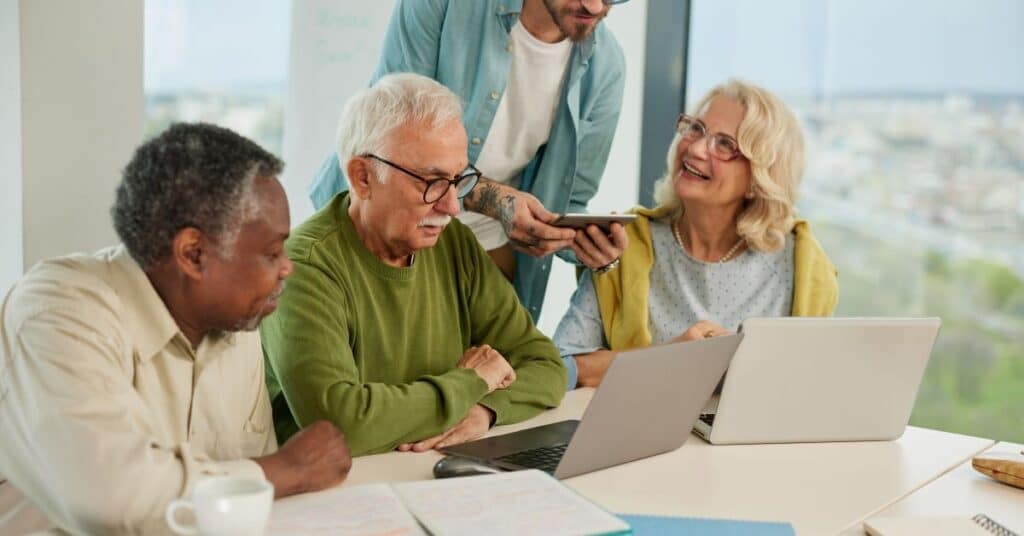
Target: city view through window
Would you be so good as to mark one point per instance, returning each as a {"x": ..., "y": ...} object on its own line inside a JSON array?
[
  {"x": 223, "y": 62},
  {"x": 914, "y": 120},
  {"x": 913, "y": 114}
]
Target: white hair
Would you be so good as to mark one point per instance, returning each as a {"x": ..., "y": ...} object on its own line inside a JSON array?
[
  {"x": 770, "y": 137},
  {"x": 373, "y": 114}
]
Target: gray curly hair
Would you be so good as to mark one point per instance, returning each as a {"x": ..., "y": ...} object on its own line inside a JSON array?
[{"x": 192, "y": 175}]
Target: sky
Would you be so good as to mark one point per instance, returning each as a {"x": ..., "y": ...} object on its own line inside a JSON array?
[
  {"x": 216, "y": 44},
  {"x": 857, "y": 46},
  {"x": 791, "y": 46}
]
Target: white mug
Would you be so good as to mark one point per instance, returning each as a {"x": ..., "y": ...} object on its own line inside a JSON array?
[{"x": 225, "y": 505}]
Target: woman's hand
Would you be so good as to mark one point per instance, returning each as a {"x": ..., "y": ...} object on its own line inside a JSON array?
[
  {"x": 705, "y": 329},
  {"x": 596, "y": 249}
]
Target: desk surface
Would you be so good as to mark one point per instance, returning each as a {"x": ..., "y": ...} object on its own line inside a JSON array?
[
  {"x": 965, "y": 492},
  {"x": 820, "y": 488}
]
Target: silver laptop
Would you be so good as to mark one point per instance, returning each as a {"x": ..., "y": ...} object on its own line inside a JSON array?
[
  {"x": 797, "y": 380},
  {"x": 646, "y": 405}
]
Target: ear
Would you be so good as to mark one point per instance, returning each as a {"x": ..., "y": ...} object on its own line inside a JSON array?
[
  {"x": 360, "y": 176},
  {"x": 189, "y": 252}
]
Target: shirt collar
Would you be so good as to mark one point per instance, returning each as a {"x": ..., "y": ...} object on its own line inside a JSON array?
[{"x": 150, "y": 323}]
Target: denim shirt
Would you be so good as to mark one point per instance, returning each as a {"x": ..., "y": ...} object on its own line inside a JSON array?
[{"x": 464, "y": 44}]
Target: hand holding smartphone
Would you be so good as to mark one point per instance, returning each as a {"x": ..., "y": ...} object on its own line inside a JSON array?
[{"x": 603, "y": 221}]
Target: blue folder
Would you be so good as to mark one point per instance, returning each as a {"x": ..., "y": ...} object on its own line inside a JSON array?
[{"x": 663, "y": 526}]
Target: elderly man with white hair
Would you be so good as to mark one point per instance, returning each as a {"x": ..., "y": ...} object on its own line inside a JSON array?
[{"x": 396, "y": 325}]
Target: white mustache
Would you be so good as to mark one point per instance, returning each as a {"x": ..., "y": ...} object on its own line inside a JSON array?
[
  {"x": 438, "y": 221},
  {"x": 277, "y": 293}
]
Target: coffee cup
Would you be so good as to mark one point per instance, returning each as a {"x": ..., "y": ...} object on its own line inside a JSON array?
[{"x": 224, "y": 505}]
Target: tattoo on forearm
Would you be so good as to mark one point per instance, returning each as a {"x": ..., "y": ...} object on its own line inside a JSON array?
[
  {"x": 490, "y": 199},
  {"x": 484, "y": 199},
  {"x": 507, "y": 214}
]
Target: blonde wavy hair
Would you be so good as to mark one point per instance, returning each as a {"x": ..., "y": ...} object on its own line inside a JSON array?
[{"x": 770, "y": 138}]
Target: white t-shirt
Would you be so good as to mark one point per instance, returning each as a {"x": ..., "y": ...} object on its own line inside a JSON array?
[{"x": 522, "y": 121}]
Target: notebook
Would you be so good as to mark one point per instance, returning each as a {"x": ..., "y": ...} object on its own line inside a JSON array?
[
  {"x": 980, "y": 525},
  {"x": 513, "y": 503},
  {"x": 665, "y": 526}
]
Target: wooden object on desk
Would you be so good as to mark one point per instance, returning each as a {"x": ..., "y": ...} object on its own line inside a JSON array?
[{"x": 1006, "y": 467}]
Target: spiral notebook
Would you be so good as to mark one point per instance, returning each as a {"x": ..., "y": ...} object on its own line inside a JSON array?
[{"x": 980, "y": 525}]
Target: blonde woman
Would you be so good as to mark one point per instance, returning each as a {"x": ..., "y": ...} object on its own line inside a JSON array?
[{"x": 722, "y": 245}]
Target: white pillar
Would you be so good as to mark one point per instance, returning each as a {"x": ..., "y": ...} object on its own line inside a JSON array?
[
  {"x": 10, "y": 145},
  {"x": 81, "y": 115}
]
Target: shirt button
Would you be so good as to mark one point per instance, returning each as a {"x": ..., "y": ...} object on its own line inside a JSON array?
[
  {"x": 501, "y": 9},
  {"x": 495, "y": 95},
  {"x": 508, "y": 48},
  {"x": 476, "y": 141}
]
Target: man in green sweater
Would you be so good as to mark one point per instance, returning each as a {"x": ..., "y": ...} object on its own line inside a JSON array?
[{"x": 397, "y": 326}]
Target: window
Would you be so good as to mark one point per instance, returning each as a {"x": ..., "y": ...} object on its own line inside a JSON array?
[
  {"x": 913, "y": 114},
  {"x": 222, "y": 62}
]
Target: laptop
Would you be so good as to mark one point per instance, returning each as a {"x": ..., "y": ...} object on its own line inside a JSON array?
[
  {"x": 646, "y": 405},
  {"x": 796, "y": 380}
]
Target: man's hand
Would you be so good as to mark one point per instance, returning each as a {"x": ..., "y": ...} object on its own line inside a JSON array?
[
  {"x": 522, "y": 216},
  {"x": 596, "y": 249},
  {"x": 474, "y": 425},
  {"x": 704, "y": 329},
  {"x": 490, "y": 365},
  {"x": 315, "y": 458}
]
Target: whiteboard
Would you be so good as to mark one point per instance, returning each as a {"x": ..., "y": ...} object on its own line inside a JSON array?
[{"x": 334, "y": 48}]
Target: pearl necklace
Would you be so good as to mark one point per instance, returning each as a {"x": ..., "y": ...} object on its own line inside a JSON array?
[{"x": 725, "y": 258}]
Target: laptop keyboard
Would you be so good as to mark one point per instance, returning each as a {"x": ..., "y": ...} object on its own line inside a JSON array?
[
  {"x": 544, "y": 458},
  {"x": 707, "y": 418}
]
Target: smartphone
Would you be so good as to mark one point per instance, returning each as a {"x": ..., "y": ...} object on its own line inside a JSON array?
[{"x": 581, "y": 221}]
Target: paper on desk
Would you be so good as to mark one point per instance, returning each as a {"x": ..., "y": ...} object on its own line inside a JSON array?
[
  {"x": 519, "y": 502},
  {"x": 363, "y": 510}
]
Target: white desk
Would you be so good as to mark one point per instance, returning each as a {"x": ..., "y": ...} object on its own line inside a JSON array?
[
  {"x": 819, "y": 488},
  {"x": 965, "y": 492}
]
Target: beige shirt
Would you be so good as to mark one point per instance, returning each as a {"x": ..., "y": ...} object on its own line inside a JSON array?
[{"x": 106, "y": 411}]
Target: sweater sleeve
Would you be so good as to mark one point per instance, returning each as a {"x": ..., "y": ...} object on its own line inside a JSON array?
[
  {"x": 498, "y": 319},
  {"x": 309, "y": 342}
]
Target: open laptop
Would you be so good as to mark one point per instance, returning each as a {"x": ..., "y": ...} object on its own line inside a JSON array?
[
  {"x": 797, "y": 380},
  {"x": 646, "y": 405}
]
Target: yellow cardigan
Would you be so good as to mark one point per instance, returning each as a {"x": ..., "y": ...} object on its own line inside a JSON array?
[{"x": 622, "y": 293}]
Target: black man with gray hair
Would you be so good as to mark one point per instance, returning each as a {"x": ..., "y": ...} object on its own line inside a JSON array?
[{"x": 128, "y": 374}]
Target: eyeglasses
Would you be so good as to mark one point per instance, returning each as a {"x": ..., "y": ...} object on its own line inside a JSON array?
[
  {"x": 721, "y": 146},
  {"x": 613, "y": 2},
  {"x": 437, "y": 188}
]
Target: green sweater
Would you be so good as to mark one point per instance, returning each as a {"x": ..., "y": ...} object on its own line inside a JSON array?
[{"x": 373, "y": 348}]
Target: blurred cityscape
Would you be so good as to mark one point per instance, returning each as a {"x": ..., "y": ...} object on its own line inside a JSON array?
[
  {"x": 919, "y": 201},
  {"x": 255, "y": 113}
]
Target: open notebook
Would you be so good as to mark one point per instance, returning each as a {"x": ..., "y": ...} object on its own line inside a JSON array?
[{"x": 519, "y": 502}]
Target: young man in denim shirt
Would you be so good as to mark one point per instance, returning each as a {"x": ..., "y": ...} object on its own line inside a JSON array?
[{"x": 542, "y": 84}]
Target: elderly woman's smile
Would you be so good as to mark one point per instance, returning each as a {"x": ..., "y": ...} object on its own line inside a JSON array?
[{"x": 693, "y": 172}]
